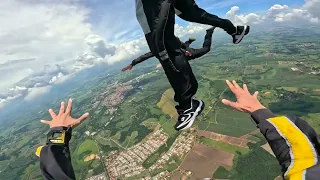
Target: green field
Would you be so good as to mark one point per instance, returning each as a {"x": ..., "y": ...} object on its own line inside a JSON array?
[
  {"x": 224, "y": 120},
  {"x": 258, "y": 164},
  {"x": 88, "y": 146},
  {"x": 221, "y": 173},
  {"x": 223, "y": 146}
]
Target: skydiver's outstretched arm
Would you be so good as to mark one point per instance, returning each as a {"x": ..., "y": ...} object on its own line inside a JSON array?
[
  {"x": 55, "y": 161},
  {"x": 138, "y": 60},
  {"x": 142, "y": 58},
  {"x": 293, "y": 141},
  {"x": 190, "y": 11},
  {"x": 196, "y": 53}
]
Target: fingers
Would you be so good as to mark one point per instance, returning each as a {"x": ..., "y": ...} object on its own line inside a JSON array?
[
  {"x": 82, "y": 118},
  {"x": 69, "y": 107},
  {"x": 256, "y": 94},
  {"x": 245, "y": 87},
  {"x": 45, "y": 122},
  {"x": 235, "y": 84},
  {"x": 232, "y": 88},
  {"x": 52, "y": 114},
  {"x": 234, "y": 105},
  {"x": 62, "y": 108}
]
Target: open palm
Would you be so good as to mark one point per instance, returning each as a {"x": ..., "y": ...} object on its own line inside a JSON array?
[{"x": 64, "y": 118}]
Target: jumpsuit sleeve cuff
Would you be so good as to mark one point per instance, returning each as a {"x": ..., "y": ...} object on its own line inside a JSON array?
[{"x": 261, "y": 115}]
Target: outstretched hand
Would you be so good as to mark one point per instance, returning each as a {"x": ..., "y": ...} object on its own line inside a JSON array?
[
  {"x": 64, "y": 118},
  {"x": 129, "y": 67},
  {"x": 245, "y": 101}
]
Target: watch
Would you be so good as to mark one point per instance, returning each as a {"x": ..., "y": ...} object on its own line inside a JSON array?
[{"x": 59, "y": 135}]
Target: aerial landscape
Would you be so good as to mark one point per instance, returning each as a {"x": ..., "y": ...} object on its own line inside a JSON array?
[{"x": 130, "y": 134}]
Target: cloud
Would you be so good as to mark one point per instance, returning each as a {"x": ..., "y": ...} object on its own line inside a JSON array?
[
  {"x": 191, "y": 28},
  {"x": 313, "y": 7},
  {"x": 36, "y": 92},
  {"x": 11, "y": 76},
  {"x": 56, "y": 78},
  {"x": 44, "y": 32},
  {"x": 309, "y": 12},
  {"x": 44, "y": 76},
  {"x": 63, "y": 78},
  {"x": 98, "y": 46},
  {"x": 4, "y": 101},
  {"x": 18, "y": 88},
  {"x": 128, "y": 50},
  {"x": 276, "y": 9},
  {"x": 243, "y": 19}
]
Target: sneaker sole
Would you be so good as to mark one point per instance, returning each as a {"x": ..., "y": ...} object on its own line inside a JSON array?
[
  {"x": 245, "y": 32},
  {"x": 196, "y": 114}
]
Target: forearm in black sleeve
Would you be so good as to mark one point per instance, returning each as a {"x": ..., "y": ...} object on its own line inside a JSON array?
[
  {"x": 142, "y": 58},
  {"x": 293, "y": 141},
  {"x": 55, "y": 160}
]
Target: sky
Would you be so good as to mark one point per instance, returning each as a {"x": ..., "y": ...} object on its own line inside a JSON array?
[{"x": 47, "y": 42}]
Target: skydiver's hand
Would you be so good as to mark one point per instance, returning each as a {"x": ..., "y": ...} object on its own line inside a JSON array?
[
  {"x": 245, "y": 101},
  {"x": 129, "y": 67},
  {"x": 64, "y": 118}
]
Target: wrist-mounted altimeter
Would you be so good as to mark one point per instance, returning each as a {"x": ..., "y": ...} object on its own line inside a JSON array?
[{"x": 59, "y": 135}]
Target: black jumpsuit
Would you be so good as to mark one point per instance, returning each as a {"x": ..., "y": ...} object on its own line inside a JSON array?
[{"x": 157, "y": 19}]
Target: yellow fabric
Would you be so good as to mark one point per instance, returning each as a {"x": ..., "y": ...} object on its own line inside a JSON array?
[
  {"x": 302, "y": 152},
  {"x": 38, "y": 151},
  {"x": 296, "y": 176}
]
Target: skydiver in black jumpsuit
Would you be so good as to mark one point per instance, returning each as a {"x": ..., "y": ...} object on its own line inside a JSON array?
[
  {"x": 191, "y": 53},
  {"x": 157, "y": 20}
]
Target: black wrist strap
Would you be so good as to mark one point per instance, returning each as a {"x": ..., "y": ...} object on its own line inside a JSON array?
[{"x": 59, "y": 136}]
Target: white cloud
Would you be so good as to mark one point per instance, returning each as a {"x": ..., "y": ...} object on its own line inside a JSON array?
[
  {"x": 36, "y": 92},
  {"x": 63, "y": 78},
  {"x": 18, "y": 88},
  {"x": 313, "y": 7},
  {"x": 128, "y": 50},
  {"x": 57, "y": 77},
  {"x": 191, "y": 28},
  {"x": 243, "y": 19},
  {"x": 11, "y": 76},
  {"x": 98, "y": 46},
  {"x": 276, "y": 9},
  {"x": 309, "y": 12},
  {"x": 47, "y": 33},
  {"x": 4, "y": 101}
]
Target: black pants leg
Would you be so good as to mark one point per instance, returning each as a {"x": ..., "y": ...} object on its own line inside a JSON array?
[
  {"x": 158, "y": 25},
  {"x": 190, "y": 11},
  {"x": 184, "y": 83}
]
